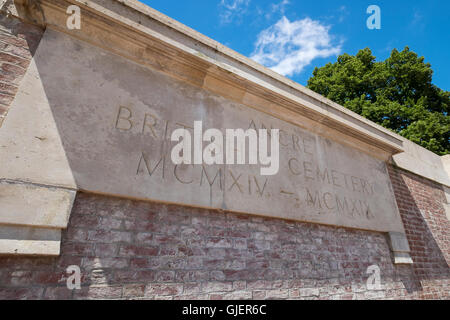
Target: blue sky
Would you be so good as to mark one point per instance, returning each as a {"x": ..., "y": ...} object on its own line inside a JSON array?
[{"x": 292, "y": 37}]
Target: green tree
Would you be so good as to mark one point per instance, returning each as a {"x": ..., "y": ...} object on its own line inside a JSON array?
[{"x": 396, "y": 93}]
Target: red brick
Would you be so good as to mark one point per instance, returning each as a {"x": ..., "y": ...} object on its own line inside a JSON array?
[
  {"x": 49, "y": 277},
  {"x": 98, "y": 292},
  {"x": 18, "y": 41},
  {"x": 136, "y": 251},
  {"x": 6, "y": 99},
  {"x": 16, "y": 60},
  {"x": 108, "y": 236},
  {"x": 58, "y": 293},
  {"x": 217, "y": 286},
  {"x": 164, "y": 289},
  {"x": 124, "y": 276},
  {"x": 180, "y": 259},
  {"x": 133, "y": 290},
  {"x": 21, "y": 293},
  {"x": 102, "y": 263}
]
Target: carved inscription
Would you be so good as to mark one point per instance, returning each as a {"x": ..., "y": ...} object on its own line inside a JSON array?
[{"x": 299, "y": 161}]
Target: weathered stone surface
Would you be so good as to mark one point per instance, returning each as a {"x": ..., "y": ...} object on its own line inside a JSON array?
[
  {"x": 31, "y": 218},
  {"x": 447, "y": 201},
  {"x": 31, "y": 205},
  {"x": 20, "y": 240},
  {"x": 423, "y": 162},
  {"x": 446, "y": 163},
  {"x": 114, "y": 119},
  {"x": 29, "y": 247},
  {"x": 399, "y": 242},
  {"x": 400, "y": 247},
  {"x": 30, "y": 146}
]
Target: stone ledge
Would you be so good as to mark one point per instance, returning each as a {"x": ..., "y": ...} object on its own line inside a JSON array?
[
  {"x": 33, "y": 205},
  {"x": 402, "y": 258},
  {"x": 423, "y": 162},
  {"x": 19, "y": 240},
  {"x": 32, "y": 217},
  {"x": 29, "y": 247},
  {"x": 400, "y": 248}
]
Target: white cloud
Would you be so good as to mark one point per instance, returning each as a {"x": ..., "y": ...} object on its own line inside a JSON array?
[
  {"x": 287, "y": 47},
  {"x": 343, "y": 13},
  {"x": 280, "y": 6},
  {"x": 232, "y": 9},
  {"x": 276, "y": 9}
]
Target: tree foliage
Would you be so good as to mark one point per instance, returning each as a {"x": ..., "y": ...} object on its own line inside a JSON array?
[{"x": 396, "y": 93}]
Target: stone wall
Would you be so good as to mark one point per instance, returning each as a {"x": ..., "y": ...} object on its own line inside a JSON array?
[
  {"x": 421, "y": 204},
  {"x": 131, "y": 249},
  {"x": 18, "y": 42}
]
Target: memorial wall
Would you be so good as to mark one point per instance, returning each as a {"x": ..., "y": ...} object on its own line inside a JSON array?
[
  {"x": 115, "y": 120},
  {"x": 87, "y": 177}
]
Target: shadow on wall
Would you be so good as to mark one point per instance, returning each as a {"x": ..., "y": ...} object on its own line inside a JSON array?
[
  {"x": 18, "y": 43},
  {"x": 420, "y": 204}
]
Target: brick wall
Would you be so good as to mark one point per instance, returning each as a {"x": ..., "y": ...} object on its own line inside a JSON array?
[
  {"x": 18, "y": 42},
  {"x": 131, "y": 249},
  {"x": 427, "y": 227}
]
